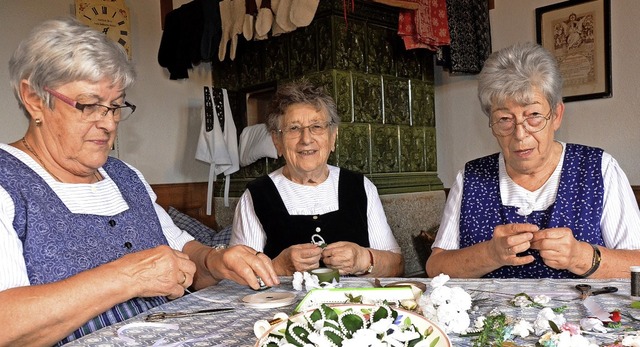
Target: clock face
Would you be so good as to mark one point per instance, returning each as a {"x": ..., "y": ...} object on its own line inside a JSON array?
[{"x": 109, "y": 17}]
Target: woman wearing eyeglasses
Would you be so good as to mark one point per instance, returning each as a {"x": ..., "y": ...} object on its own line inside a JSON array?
[
  {"x": 308, "y": 200},
  {"x": 83, "y": 244},
  {"x": 539, "y": 207}
]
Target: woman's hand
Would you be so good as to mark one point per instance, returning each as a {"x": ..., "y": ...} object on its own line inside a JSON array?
[
  {"x": 159, "y": 271},
  {"x": 560, "y": 250},
  {"x": 346, "y": 257},
  {"x": 302, "y": 257},
  {"x": 509, "y": 240}
]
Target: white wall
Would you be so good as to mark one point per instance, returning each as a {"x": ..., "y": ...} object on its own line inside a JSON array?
[
  {"x": 612, "y": 124},
  {"x": 160, "y": 138}
]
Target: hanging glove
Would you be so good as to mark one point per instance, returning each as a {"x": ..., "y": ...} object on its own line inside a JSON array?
[
  {"x": 227, "y": 22},
  {"x": 264, "y": 19},
  {"x": 302, "y": 12},
  {"x": 238, "y": 11},
  {"x": 250, "y": 13}
]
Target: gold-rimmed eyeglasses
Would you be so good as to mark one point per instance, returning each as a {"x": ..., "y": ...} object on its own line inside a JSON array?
[
  {"x": 294, "y": 131},
  {"x": 506, "y": 125},
  {"x": 96, "y": 112}
]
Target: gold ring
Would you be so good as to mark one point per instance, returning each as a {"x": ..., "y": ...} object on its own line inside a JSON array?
[
  {"x": 184, "y": 278},
  {"x": 258, "y": 252}
]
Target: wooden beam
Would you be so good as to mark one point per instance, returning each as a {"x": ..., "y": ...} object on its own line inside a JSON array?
[
  {"x": 407, "y": 5},
  {"x": 165, "y": 7}
]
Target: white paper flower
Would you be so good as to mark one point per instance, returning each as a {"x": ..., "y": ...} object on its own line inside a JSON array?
[
  {"x": 541, "y": 299},
  {"x": 631, "y": 341},
  {"x": 362, "y": 337},
  {"x": 522, "y": 328},
  {"x": 297, "y": 280},
  {"x": 592, "y": 324},
  {"x": 479, "y": 323},
  {"x": 521, "y": 301},
  {"x": 545, "y": 315},
  {"x": 440, "y": 295},
  {"x": 524, "y": 211},
  {"x": 439, "y": 280},
  {"x": 461, "y": 299}
]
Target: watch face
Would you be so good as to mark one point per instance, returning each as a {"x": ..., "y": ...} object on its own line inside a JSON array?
[{"x": 112, "y": 20}]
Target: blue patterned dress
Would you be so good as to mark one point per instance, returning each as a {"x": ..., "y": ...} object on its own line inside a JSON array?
[
  {"x": 58, "y": 243},
  {"x": 578, "y": 206}
]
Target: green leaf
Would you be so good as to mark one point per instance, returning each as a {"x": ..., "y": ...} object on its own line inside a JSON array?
[
  {"x": 554, "y": 327},
  {"x": 335, "y": 338},
  {"x": 352, "y": 322},
  {"x": 299, "y": 332},
  {"x": 434, "y": 343},
  {"x": 381, "y": 313},
  {"x": 635, "y": 304}
]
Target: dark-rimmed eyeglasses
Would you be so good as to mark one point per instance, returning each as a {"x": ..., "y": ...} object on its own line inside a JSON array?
[
  {"x": 294, "y": 131},
  {"x": 506, "y": 125},
  {"x": 96, "y": 112}
]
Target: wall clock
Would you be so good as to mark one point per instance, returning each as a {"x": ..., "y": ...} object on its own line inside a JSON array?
[{"x": 108, "y": 16}]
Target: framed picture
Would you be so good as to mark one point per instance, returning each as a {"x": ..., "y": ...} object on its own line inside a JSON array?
[{"x": 578, "y": 33}]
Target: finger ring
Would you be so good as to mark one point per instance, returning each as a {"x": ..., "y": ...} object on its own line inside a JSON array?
[
  {"x": 258, "y": 252},
  {"x": 184, "y": 278},
  {"x": 509, "y": 250}
]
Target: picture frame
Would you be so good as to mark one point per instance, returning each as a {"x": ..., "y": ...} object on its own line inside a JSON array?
[{"x": 578, "y": 34}]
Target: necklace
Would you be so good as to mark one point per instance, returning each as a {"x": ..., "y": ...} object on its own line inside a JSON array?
[{"x": 26, "y": 145}]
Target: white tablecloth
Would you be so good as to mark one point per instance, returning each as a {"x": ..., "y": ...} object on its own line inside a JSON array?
[{"x": 235, "y": 328}]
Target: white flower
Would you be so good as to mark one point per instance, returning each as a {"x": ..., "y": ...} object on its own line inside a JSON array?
[
  {"x": 524, "y": 211},
  {"x": 382, "y": 325},
  {"x": 479, "y": 323},
  {"x": 310, "y": 281},
  {"x": 441, "y": 295},
  {"x": 592, "y": 324},
  {"x": 542, "y": 321},
  {"x": 362, "y": 337},
  {"x": 297, "y": 280},
  {"x": 541, "y": 299},
  {"x": 521, "y": 301},
  {"x": 522, "y": 328},
  {"x": 461, "y": 299},
  {"x": 632, "y": 341},
  {"x": 439, "y": 280}
]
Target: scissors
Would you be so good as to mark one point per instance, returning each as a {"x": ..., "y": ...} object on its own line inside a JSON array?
[
  {"x": 158, "y": 316},
  {"x": 585, "y": 290}
]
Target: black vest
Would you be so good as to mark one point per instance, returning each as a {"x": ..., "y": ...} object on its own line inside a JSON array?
[{"x": 348, "y": 223}]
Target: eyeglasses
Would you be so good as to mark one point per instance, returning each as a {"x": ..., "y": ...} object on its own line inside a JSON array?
[
  {"x": 506, "y": 125},
  {"x": 295, "y": 131},
  {"x": 96, "y": 112}
]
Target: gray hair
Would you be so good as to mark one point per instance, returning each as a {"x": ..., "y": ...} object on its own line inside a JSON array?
[
  {"x": 300, "y": 92},
  {"x": 61, "y": 51},
  {"x": 512, "y": 73}
]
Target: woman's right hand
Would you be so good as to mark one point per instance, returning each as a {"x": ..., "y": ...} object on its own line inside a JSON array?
[
  {"x": 159, "y": 271},
  {"x": 302, "y": 257},
  {"x": 509, "y": 240}
]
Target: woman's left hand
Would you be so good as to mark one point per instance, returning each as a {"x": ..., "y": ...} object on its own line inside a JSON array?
[
  {"x": 346, "y": 257},
  {"x": 559, "y": 249}
]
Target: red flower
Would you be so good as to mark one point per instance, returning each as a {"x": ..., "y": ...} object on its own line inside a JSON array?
[{"x": 615, "y": 316}]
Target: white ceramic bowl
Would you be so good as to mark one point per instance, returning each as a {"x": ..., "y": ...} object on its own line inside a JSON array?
[{"x": 418, "y": 320}]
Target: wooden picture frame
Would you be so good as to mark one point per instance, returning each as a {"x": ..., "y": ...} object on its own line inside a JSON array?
[{"x": 578, "y": 33}]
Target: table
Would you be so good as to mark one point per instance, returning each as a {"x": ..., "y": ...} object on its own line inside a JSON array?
[{"x": 235, "y": 328}]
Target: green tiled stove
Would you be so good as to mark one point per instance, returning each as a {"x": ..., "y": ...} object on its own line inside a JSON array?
[{"x": 384, "y": 93}]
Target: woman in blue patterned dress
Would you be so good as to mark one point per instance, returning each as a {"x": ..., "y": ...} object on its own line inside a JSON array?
[
  {"x": 82, "y": 242},
  {"x": 539, "y": 207}
]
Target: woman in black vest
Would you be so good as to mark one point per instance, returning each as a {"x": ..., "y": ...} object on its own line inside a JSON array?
[{"x": 308, "y": 200}]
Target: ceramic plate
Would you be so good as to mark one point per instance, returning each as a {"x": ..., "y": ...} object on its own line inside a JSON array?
[{"x": 419, "y": 321}]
